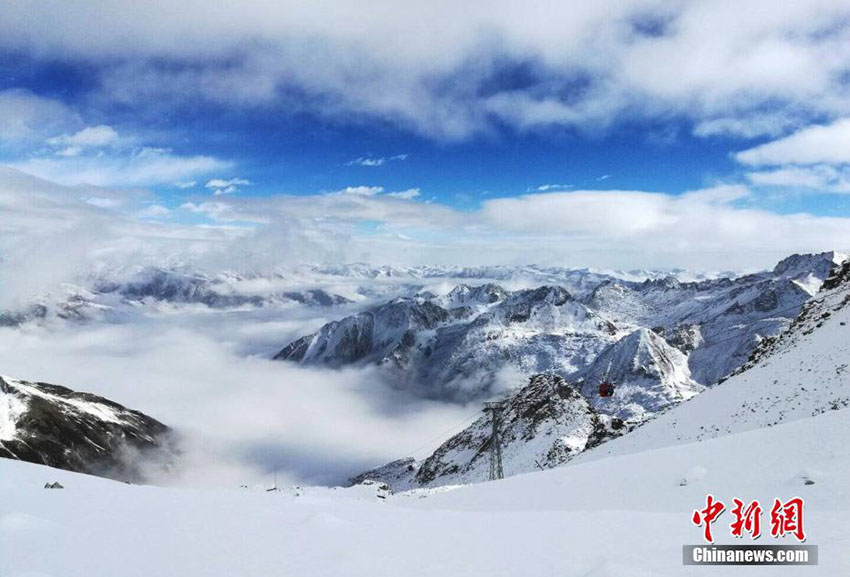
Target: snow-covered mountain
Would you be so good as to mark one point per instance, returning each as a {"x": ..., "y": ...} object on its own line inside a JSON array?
[
  {"x": 111, "y": 294},
  {"x": 548, "y": 422},
  {"x": 223, "y": 290},
  {"x": 456, "y": 345},
  {"x": 544, "y": 424},
  {"x": 718, "y": 322},
  {"x": 55, "y": 426}
]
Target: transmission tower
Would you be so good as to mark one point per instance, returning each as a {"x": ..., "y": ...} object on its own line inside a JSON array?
[{"x": 495, "y": 410}]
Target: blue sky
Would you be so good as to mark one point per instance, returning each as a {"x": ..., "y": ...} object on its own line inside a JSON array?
[
  {"x": 305, "y": 153},
  {"x": 224, "y": 117}
]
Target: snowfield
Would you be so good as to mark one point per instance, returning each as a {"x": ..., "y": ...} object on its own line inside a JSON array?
[{"x": 621, "y": 516}]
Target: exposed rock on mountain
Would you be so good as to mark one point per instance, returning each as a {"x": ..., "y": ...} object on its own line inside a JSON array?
[
  {"x": 544, "y": 424},
  {"x": 55, "y": 426}
]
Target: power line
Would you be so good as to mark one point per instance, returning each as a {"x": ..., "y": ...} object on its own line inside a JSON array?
[{"x": 468, "y": 419}]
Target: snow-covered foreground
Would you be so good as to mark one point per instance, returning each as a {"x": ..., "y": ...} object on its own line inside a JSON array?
[{"x": 620, "y": 516}]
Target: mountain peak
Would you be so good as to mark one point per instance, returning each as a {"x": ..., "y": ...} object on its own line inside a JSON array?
[{"x": 649, "y": 375}]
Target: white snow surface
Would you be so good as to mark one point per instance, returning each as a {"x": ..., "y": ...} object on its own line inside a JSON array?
[{"x": 622, "y": 516}]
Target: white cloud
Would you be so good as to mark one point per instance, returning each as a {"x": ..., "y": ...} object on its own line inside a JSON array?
[
  {"x": 184, "y": 185},
  {"x": 56, "y": 233},
  {"x": 408, "y": 194},
  {"x": 828, "y": 144},
  {"x": 361, "y": 190},
  {"x": 376, "y": 161},
  {"x": 585, "y": 65},
  {"x": 749, "y": 126},
  {"x": 241, "y": 418},
  {"x": 27, "y": 119},
  {"x": 139, "y": 167},
  {"x": 819, "y": 178},
  {"x": 550, "y": 187},
  {"x": 154, "y": 211},
  {"x": 101, "y": 135},
  {"x": 366, "y": 161},
  {"x": 45, "y": 138},
  {"x": 221, "y": 186},
  {"x": 222, "y": 183},
  {"x": 703, "y": 228}
]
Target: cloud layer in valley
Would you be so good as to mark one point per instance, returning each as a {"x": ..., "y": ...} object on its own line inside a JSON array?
[{"x": 241, "y": 419}]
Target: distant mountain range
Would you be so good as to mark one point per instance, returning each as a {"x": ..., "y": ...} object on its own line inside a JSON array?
[{"x": 459, "y": 345}]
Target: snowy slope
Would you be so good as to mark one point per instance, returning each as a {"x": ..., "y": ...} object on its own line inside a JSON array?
[
  {"x": 623, "y": 516},
  {"x": 55, "y": 426}
]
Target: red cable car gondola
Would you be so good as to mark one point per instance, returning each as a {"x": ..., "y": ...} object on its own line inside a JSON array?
[{"x": 606, "y": 389}]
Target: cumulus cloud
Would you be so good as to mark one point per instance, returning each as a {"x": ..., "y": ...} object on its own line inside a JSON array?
[
  {"x": 46, "y": 138},
  {"x": 361, "y": 190},
  {"x": 709, "y": 228},
  {"x": 101, "y": 135},
  {"x": 618, "y": 227},
  {"x": 52, "y": 234},
  {"x": 408, "y": 194}
]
